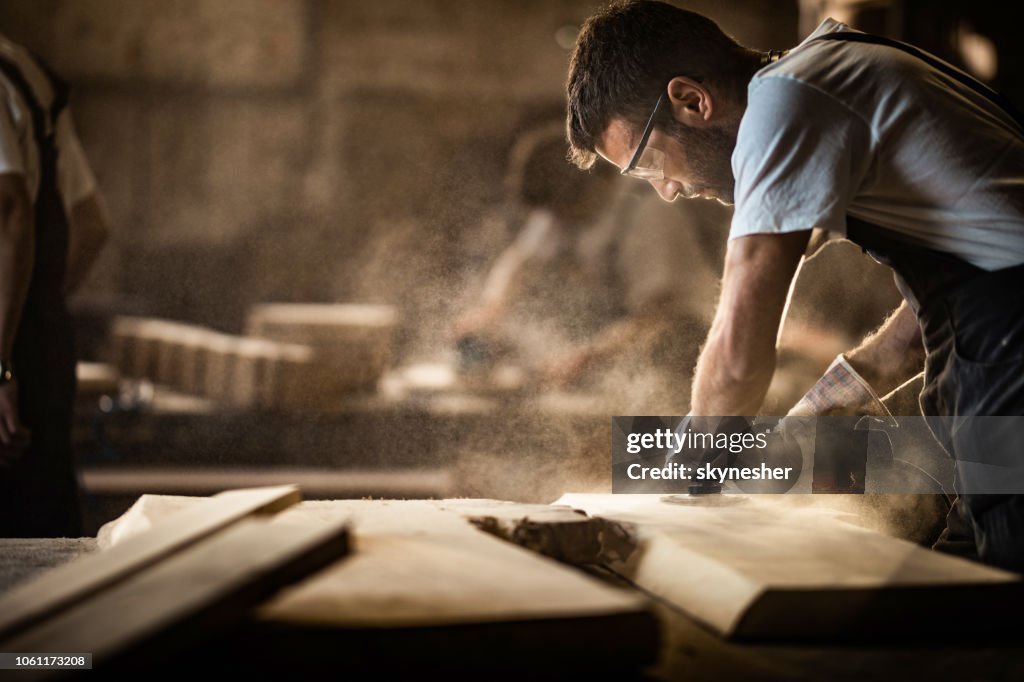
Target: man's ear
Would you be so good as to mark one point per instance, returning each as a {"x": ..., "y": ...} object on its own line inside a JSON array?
[{"x": 691, "y": 102}]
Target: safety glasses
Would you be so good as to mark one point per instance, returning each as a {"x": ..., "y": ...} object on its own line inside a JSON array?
[{"x": 647, "y": 164}]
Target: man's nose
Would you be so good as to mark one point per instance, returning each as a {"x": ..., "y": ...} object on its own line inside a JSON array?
[{"x": 666, "y": 189}]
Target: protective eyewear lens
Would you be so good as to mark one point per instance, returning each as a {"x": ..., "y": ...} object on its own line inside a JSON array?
[
  {"x": 641, "y": 148},
  {"x": 650, "y": 165}
]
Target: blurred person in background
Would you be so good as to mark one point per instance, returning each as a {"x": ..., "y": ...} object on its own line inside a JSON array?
[
  {"x": 52, "y": 227},
  {"x": 598, "y": 288}
]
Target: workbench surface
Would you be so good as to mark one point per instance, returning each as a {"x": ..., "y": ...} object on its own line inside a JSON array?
[{"x": 689, "y": 649}]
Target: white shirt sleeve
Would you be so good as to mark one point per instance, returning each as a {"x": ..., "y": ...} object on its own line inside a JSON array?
[
  {"x": 75, "y": 179},
  {"x": 800, "y": 158}
]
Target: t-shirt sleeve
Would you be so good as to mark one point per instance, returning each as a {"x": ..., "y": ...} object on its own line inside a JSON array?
[{"x": 800, "y": 157}]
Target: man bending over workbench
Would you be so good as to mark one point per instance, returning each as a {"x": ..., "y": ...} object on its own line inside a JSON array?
[{"x": 844, "y": 135}]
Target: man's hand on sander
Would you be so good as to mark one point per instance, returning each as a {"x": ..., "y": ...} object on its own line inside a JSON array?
[{"x": 841, "y": 390}]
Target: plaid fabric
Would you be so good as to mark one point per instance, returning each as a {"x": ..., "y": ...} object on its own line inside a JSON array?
[{"x": 840, "y": 389}]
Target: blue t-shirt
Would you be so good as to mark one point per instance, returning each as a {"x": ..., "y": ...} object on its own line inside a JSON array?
[{"x": 836, "y": 128}]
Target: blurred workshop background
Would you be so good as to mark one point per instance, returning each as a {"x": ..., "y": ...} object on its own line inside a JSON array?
[{"x": 349, "y": 162}]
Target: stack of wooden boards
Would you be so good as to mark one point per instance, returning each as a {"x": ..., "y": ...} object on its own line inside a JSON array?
[{"x": 292, "y": 356}]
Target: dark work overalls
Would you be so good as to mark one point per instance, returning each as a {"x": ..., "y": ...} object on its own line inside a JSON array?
[
  {"x": 39, "y": 492},
  {"x": 972, "y": 325}
]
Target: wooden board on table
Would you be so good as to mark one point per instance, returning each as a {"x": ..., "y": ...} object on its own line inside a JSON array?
[
  {"x": 427, "y": 582},
  {"x": 154, "y": 540},
  {"x": 188, "y": 596},
  {"x": 462, "y": 574},
  {"x": 420, "y": 564},
  {"x": 771, "y": 567},
  {"x": 422, "y": 572}
]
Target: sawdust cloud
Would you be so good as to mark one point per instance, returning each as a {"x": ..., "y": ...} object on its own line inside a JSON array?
[
  {"x": 538, "y": 442},
  {"x": 432, "y": 266},
  {"x": 917, "y": 518}
]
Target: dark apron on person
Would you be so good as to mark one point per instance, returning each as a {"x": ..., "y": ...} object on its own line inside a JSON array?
[
  {"x": 972, "y": 326},
  {"x": 39, "y": 492}
]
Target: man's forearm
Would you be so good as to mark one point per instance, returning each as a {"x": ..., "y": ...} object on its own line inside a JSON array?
[
  {"x": 892, "y": 354},
  {"x": 17, "y": 246},
  {"x": 736, "y": 365},
  {"x": 720, "y": 391}
]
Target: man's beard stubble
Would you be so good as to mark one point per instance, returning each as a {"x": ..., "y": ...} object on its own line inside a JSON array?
[{"x": 709, "y": 156}]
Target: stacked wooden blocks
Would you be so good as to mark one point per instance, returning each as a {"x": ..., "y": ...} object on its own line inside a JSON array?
[
  {"x": 352, "y": 341},
  {"x": 303, "y": 356}
]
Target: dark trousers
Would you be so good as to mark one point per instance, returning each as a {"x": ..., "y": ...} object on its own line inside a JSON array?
[
  {"x": 974, "y": 334},
  {"x": 972, "y": 326}
]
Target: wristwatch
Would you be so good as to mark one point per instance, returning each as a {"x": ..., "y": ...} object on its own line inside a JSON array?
[{"x": 6, "y": 372}]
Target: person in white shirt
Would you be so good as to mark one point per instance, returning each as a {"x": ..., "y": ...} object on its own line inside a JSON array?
[{"x": 52, "y": 227}]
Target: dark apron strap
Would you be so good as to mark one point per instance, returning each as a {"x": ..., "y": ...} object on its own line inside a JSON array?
[
  {"x": 51, "y": 222},
  {"x": 965, "y": 79}
]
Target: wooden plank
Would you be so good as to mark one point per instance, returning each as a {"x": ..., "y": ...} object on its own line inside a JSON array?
[
  {"x": 73, "y": 582},
  {"x": 418, "y": 565},
  {"x": 422, "y": 572},
  {"x": 451, "y": 572},
  {"x": 769, "y": 567},
  {"x": 189, "y": 595}
]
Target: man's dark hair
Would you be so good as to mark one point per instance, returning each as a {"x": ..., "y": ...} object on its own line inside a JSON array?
[{"x": 626, "y": 54}]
